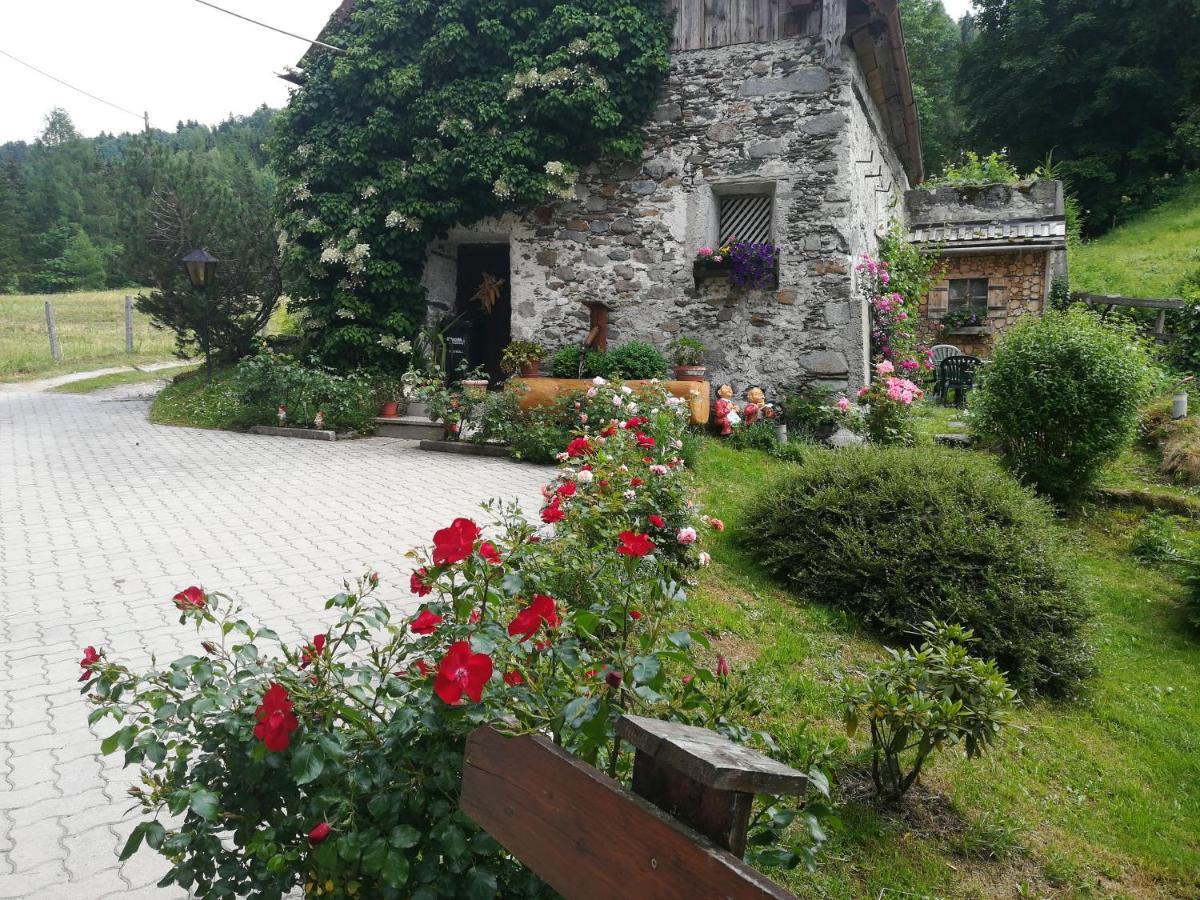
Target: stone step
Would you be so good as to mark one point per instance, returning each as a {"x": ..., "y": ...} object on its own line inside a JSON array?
[
  {"x": 953, "y": 440},
  {"x": 409, "y": 428}
]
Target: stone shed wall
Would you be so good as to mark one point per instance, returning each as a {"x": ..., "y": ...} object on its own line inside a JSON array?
[
  {"x": 1016, "y": 286},
  {"x": 768, "y": 117}
]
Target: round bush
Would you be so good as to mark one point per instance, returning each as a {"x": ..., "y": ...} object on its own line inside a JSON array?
[
  {"x": 900, "y": 536},
  {"x": 1060, "y": 399},
  {"x": 635, "y": 360}
]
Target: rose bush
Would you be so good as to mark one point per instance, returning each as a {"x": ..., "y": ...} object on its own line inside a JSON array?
[{"x": 335, "y": 763}]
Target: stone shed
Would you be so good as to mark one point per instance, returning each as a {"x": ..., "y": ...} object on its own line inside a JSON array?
[
  {"x": 783, "y": 121},
  {"x": 1002, "y": 247}
]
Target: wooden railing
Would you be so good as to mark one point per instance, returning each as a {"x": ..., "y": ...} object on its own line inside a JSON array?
[
  {"x": 1106, "y": 302},
  {"x": 681, "y": 832}
]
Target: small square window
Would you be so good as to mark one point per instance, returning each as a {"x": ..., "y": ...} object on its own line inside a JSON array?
[
  {"x": 969, "y": 295},
  {"x": 746, "y": 217}
]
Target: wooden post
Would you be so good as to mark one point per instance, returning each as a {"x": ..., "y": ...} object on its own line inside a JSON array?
[
  {"x": 55, "y": 350},
  {"x": 703, "y": 779},
  {"x": 128, "y": 324},
  {"x": 597, "y": 338},
  {"x": 587, "y": 836}
]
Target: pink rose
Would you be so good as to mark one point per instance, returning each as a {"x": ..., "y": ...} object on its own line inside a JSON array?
[
  {"x": 843, "y": 404},
  {"x": 686, "y": 536}
]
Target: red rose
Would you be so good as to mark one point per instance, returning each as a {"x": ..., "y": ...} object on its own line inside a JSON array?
[
  {"x": 634, "y": 614},
  {"x": 567, "y": 490},
  {"x": 644, "y": 440},
  {"x": 462, "y": 672},
  {"x": 275, "y": 720},
  {"x": 633, "y": 544},
  {"x": 489, "y": 552},
  {"x": 426, "y": 622},
  {"x": 420, "y": 665},
  {"x": 581, "y": 446},
  {"x": 716, "y": 524},
  {"x": 319, "y": 833},
  {"x": 656, "y": 520},
  {"x": 635, "y": 422},
  {"x": 612, "y": 678},
  {"x": 455, "y": 543},
  {"x": 603, "y": 482},
  {"x": 586, "y": 467},
  {"x": 529, "y": 620},
  {"x": 190, "y": 598},
  {"x": 636, "y": 482},
  {"x": 552, "y": 512},
  {"x": 417, "y": 583},
  {"x": 722, "y": 667},
  {"x": 610, "y": 429},
  {"x": 90, "y": 658},
  {"x": 513, "y": 678},
  {"x": 313, "y": 651}
]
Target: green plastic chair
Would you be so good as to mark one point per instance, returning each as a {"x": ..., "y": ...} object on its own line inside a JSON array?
[{"x": 957, "y": 374}]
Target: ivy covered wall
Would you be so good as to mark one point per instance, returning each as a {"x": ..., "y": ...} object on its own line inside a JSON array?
[{"x": 445, "y": 112}]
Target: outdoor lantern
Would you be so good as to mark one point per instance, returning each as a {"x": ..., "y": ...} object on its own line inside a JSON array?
[{"x": 200, "y": 266}]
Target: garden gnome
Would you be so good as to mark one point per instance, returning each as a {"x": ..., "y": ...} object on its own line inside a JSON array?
[
  {"x": 281, "y": 415},
  {"x": 755, "y": 403},
  {"x": 726, "y": 410},
  {"x": 319, "y": 419}
]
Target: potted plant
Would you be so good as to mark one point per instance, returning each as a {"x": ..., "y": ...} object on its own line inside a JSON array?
[
  {"x": 524, "y": 357},
  {"x": 688, "y": 354},
  {"x": 387, "y": 393}
]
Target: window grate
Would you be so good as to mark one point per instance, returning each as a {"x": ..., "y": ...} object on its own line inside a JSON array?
[{"x": 746, "y": 217}]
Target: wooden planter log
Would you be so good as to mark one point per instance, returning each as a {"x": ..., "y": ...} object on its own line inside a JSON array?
[{"x": 547, "y": 391}]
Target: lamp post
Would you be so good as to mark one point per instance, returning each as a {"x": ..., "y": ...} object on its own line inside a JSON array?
[{"x": 201, "y": 268}]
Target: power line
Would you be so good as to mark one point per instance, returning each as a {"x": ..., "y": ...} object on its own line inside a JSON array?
[
  {"x": 71, "y": 86},
  {"x": 298, "y": 37}
]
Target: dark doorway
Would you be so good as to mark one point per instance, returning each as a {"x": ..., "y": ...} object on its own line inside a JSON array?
[{"x": 484, "y": 299}]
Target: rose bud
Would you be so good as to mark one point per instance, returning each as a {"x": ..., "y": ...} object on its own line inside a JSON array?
[
  {"x": 319, "y": 833},
  {"x": 722, "y": 667},
  {"x": 613, "y": 679}
]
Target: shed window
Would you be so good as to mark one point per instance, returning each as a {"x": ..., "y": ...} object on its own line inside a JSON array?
[
  {"x": 746, "y": 217},
  {"x": 969, "y": 295}
]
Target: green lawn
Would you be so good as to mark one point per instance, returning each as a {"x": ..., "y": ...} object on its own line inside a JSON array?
[
  {"x": 91, "y": 332},
  {"x": 1152, "y": 256},
  {"x": 134, "y": 376},
  {"x": 1099, "y": 797}
]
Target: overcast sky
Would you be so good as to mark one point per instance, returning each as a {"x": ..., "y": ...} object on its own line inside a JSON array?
[{"x": 175, "y": 59}]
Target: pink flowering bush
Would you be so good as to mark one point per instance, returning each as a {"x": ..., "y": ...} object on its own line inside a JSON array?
[
  {"x": 894, "y": 286},
  {"x": 334, "y": 762},
  {"x": 887, "y": 405}
]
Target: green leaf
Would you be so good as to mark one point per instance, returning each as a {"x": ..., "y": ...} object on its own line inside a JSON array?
[
  {"x": 109, "y": 744},
  {"x": 204, "y": 804},
  {"x": 395, "y": 869},
  {"x": 404, "y": 836},
  {"x": 134, "y": 841},
  {"x": 155, "y": 834},
  {"x": 307, "y": 763},
  {"x": 480, "y": 884}
]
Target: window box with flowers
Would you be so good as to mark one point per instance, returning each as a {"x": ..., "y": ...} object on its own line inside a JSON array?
[
  {"x": 964, "y": 321},
  {"x": 746, "y": 265}
]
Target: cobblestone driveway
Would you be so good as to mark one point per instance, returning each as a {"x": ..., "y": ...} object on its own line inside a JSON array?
[{"x": 103, "y": 517}]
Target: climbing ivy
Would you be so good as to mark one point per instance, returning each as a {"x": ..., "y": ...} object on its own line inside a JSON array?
[{"x": 443, "y": 112}]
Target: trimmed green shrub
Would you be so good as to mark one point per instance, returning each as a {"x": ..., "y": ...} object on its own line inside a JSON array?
[
  {"x": 898, "y": 536},
  {"x": 634, "y": 360},
  {"x": 1061, "y": 397}
]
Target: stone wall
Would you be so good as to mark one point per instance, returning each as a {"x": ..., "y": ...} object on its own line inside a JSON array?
[
  {"x": 1016, "y": 286},
  {"x": 992, "y": 202},
  {"x": 769, "y": 117}
]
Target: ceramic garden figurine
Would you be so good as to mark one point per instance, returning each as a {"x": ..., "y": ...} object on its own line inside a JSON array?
[
  {"x": 281, "y": 415},
  {"x": 726, "y": 410},
  {"x": 319, "y": 420},
  {"x": 756, "y": 402}
]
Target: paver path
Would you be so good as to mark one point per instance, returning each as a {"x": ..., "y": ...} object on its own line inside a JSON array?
[{"x": 103, "y": 517}]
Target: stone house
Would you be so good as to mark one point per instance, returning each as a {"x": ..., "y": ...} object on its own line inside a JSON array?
[
  {"x": 1002, "y": 247},
  {"x": 783, "y": 121}
]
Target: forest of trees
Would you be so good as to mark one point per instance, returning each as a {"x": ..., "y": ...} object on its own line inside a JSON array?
[
  {"x": 1109, "y": 88},
  {"x": 73, "y": 209}
]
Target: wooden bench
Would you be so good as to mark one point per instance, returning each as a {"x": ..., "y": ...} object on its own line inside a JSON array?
[{"x": 680, "y": 833}]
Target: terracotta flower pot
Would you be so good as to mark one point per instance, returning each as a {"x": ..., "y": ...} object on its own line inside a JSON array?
[
  {"x": 388, "y": 410},
  {"x": 689, "y": 373},
  {"x": 531, "y": 369}
]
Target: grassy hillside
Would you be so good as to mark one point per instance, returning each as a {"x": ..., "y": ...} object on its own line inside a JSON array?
[{"x": 1155, "y": 255}]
